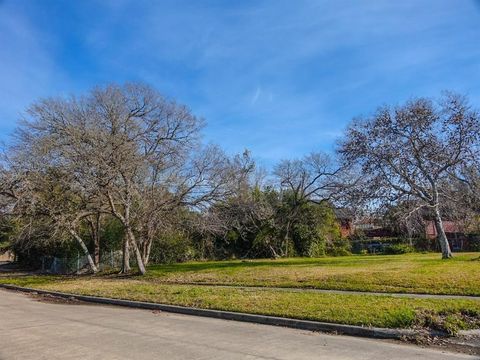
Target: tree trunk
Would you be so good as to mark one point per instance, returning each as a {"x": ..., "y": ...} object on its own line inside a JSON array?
[
  {"x": 147, "y": 244},
  {"x": 147, "y": 247},
  {"x": 96, "y": 251},
  {"x": 95, "y": 229},
  {"x": 286, "y": 239},
  {"x": 274, "y": 253},
  {"x": 84, "y": 249},
  {"x": 138, "y": 254},
  {"x": 125, "y": 256},
  {"x": 441, "y": 236}
]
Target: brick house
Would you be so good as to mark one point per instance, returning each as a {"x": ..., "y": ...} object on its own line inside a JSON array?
[
  {"x": 372, "y": 228},
  {"x": 454, "y": 230}
]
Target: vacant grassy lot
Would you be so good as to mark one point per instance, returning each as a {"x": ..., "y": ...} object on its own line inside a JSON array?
[
  {"x": 366, "y": 310},
  {"x": 411, "y": 273}
]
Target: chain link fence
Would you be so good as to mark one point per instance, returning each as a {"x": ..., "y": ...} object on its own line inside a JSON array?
[{"x": 79, "y": 264}]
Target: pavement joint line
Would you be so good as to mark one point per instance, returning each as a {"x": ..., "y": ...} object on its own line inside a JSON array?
[{"x": 352, "y": 330}]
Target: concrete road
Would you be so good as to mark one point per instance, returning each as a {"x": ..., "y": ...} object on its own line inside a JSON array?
[{"x": 30, "y": 329}]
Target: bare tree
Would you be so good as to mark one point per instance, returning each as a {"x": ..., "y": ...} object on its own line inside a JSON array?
[
  {"x": 117, "y": 141},
  {"x": 136, "y": 153},
  {"x": 408, "y": 151}
]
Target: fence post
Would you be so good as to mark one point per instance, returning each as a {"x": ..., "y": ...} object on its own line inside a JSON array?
[
  {"x": 78, "y": 262},
  {"x": 111, "y": 258}
]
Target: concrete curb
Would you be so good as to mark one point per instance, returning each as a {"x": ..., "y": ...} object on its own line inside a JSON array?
[{"x": 370, "y": 332}]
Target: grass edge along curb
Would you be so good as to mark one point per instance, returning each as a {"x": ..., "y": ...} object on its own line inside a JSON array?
[{"x": 352, "y": 330}]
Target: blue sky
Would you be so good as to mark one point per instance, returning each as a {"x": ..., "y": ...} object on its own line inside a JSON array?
[{"x": 281, "y": 78}]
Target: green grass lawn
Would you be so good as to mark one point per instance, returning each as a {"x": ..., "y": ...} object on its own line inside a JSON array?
[
  {"x": 410, "y": 273},
  {"x": 178, "y": 284}
]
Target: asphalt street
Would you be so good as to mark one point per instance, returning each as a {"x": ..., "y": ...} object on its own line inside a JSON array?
[{"x": 33, "y": 329}]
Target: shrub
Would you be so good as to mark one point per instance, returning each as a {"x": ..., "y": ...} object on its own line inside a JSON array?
[
  {"x": 396, "y": 249},
  {"x": 339, "y": 247},
  {"x": 316, "y": 249},
  {"x": 172, "y": 247}
]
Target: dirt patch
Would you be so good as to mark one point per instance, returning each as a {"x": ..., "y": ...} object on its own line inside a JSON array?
[
  {"x": 52, "y": 299},
  {"x": 448, "y": 322}
]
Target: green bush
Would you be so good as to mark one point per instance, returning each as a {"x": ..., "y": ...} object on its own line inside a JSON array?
[
  {"x": 339, "y": 247},
  {"x": 172, "y": 247},
  {"x": 316, "y": 248},
  {"x": 390, "y": 245},
  {"x": 316, "y": 232},
  {"x": 397, "y": 249}
]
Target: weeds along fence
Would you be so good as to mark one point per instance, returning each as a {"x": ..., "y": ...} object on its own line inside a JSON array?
[{"x": 79, "y": 263}]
